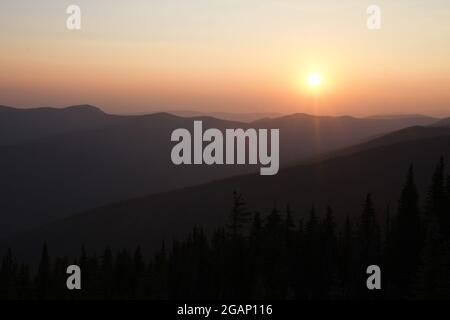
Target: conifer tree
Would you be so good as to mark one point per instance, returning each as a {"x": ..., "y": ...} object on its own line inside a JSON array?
[
  {"x": 43, "y": 275},
  {"x": 24, "y": 283},
  {"x": 369, "y": 246},
  {"x": 239, "y": 215},
  {"x": 311, "y": 257},
  {"x": 138, "y": 264},
  {"x": 436, "y": 202},
  {"x": 289, "y": 251},
  {"x": 106, "y": 276},
  {"x": 255, "y": 231},
  {"x": 256, "y": 249},
  {"x": 289, "y": 226},
  {"x": 347, "y": 259},
  {"x": 433, "y": 280},
  {"x": 446, "y": 215},
  {"x": 8, "y": 276},
  {"x": 276, "y": 260},
  {"x": 273, "y": 254},
  {"x": 329, "y": 248},
  {"x": 369, "y": 235},
  {"x": 406, "y": 238}
]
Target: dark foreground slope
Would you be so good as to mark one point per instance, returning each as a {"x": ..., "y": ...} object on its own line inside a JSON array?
[{"x": 341, "y": 182}]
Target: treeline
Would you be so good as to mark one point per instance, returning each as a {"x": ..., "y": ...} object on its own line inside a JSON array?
[{"x": 271, "y": 257}]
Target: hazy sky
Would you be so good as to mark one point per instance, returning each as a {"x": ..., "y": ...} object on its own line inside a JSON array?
[{"x": 228, "y": 55}]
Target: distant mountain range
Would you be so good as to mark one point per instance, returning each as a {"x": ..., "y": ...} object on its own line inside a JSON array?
[
  {"x": 57, "y": 162},
  {"x": 403, "y": 116},
  {"x": 443, "y": 123},
  {"x": 342, "y": 180},
  {"x": 240, "y": 117},
  {"x": 22, "y": 125}
]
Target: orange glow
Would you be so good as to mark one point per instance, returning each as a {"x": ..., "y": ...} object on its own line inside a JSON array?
[{"x": 153, "y": 56}]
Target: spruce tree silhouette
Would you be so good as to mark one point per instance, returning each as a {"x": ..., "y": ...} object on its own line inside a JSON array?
[
  {"x": 8, "y": 274},
  {"x": 289, "y": 226},
  {"x": 298, "y": 275},
  {"x": 406, "y": 239},
  {"x": 436, "y": 201},
  {"x": 446, "y": 215},
  {"x": 24, "y": 283},
  {"x": 43, "y": 276},
  {"x": 239, "y": 215},
  {"x": 138, "y": 273},
  {"x": 288, "y": 247},
  {"x": 311, "y": 257},
  {"x": 433, "y": 279},
  {"x": 271, "y": 257},
  {"x": 369, "y": 245},
  {"x": 329, "y": 250},
  {"x": 347, "y": 260},
  {"x": 106, "y": 274},
  {"x": 255, "y": 257},
  {"x": 273, "y": 252}
]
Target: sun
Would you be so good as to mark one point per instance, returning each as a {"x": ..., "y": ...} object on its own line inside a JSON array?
[
  {"x": 314, "y": 80},
  {"x": 311, "y": 82}
]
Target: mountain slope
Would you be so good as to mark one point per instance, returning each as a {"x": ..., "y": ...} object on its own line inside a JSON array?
[
  {"x": 57, "y": 162},
  {"x": 64, "y": 174},
  {"x": 310, "y": 136},
  {"x": 22, "y": 125},
  {"x": 404, "y": 116},
  {"x": 403, "y": 135},
  {"x": 442, "y": 123},
  {"x": 240, "y": 117},
  {"x": 341, "y": 182}
]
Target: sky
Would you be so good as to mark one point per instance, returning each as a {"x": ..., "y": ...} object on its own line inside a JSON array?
[{"x": 141, "y": 56}]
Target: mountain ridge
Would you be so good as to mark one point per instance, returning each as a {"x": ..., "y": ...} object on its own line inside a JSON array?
[
  {"x": 341, "y": 182},
  {"x": 56, "y": 167}
]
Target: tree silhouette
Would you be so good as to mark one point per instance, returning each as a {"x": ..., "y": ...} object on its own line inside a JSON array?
[
  {"x": 436, "y": 202},
  {"x": 8, "y": 274},
  {"x": 406, "y": 239},
  {"x": 347, "y": 259},
  {"x": 329, "y": 250},
  {"x": 271, "y": 257},
  {"x": 369, "y": 244},
  {"x": 239, "y": 215},
  {"x": 433, "y": 277},
  {"x": 43, "y": 275}
]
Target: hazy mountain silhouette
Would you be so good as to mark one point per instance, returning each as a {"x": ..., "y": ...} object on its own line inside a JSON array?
[
  {"x": 339, "y": 182},
  {"x": 306, "y": 136},
  {"x": 443, "y": 123},
  {"x": 402, "y": 135},
  {"x": 241, "y": 117},
  {"x": 56, "y": 162},
  {"x": 62, "y": 174},
  {"x": 22, "y": 125},
  {"x": 404, "y": 116}
]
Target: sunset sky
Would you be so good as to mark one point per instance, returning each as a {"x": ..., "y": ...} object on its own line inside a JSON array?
[{"x": 228, "y": 55}]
